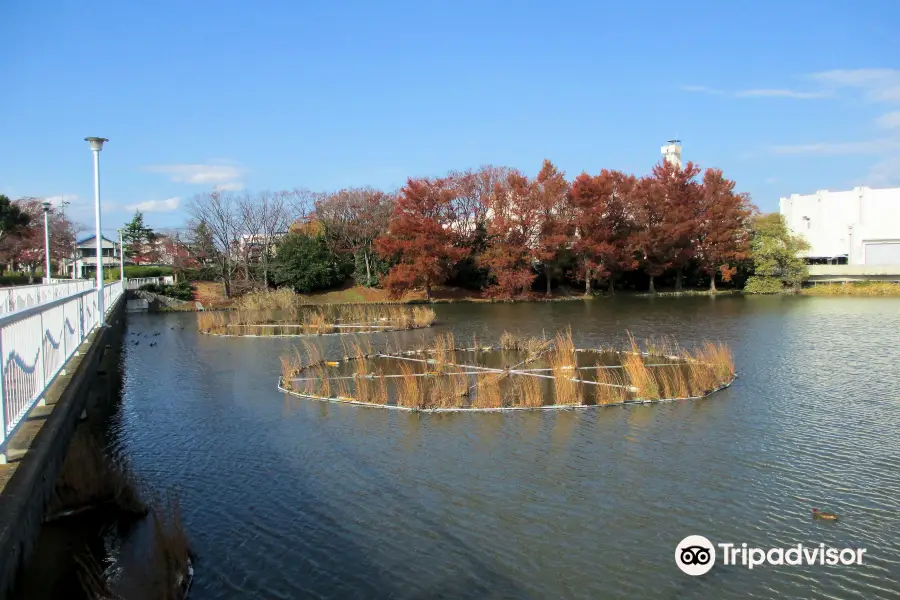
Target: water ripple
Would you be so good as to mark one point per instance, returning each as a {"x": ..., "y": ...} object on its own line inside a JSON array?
[{"x": 287, "y": 498}]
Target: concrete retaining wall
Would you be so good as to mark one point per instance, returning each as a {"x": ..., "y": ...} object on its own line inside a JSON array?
[{"x": 41, "y": 442}]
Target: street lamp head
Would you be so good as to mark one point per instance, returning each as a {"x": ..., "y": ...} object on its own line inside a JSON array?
[
  {"x": 96, "y": 143},
  {"x": 46, "y": 205}
]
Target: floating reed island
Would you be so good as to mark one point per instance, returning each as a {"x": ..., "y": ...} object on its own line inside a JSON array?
[
  {"x": 314, "y": 321},
  {"x": 518, "y": 374}
]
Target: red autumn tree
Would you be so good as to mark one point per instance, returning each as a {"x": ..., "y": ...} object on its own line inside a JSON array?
[
  {"x": 513, "y": 227},
  {"x": 723, "y": 232},
  {"x": 419, "y": 240},
  {"x": 605, "y": 238},
  {"x": 681, "y": 209},
  {"x": 25, "y": 248},
  {"x": 551, "y": 197}
]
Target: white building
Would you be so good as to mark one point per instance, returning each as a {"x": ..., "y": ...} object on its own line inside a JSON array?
[
  {"x": 85, "y": 261},
  {"x": 857, "y": 227},
  {"x": 672, "y": 152}
]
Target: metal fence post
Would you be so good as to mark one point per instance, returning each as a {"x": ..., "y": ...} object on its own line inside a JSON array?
[
  {"x": 2, "y": 402},
  {"x": 42, "y": 359}
]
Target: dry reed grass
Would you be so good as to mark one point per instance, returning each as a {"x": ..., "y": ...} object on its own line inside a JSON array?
[
  {"x": 162, "y": 576},
  {"x": 90, "y": 478},
  {"x": 280, "y": 299},
  {"x": 526, "y": 391},
  {"x": 562, "y": 363},
  {"x": 410, "y": 392},
  {"x": 510, "y": 341},
  {"x": 640, "y": 376},
  {"x": 856, "y": 288},
  {"x": 662, "y": 346},
  {"x": 170, "y": 552},
  {"x": 443, "y": 351},
  {"x": 673, "y": 382},
  {"x": 269, "y": 320},
  {"x": 690, "y": 374},
  {"x": 487, "y": 391},
  {"x": 608, "y": 392}
]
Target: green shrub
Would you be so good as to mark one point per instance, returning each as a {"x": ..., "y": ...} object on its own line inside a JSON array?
[
  {"x": 137, "y": 272},
  {"x": 15, "y": 279},
  {"x": 180, "y": 291},
  {"x": 201, "y": 274},
  {"x": 763, "y": 285}
]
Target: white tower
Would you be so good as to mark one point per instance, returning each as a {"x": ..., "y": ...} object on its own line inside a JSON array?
[{"x": 672, "y": 152}]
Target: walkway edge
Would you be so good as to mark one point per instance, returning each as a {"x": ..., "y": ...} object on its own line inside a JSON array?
[{"x": 24, "y": 498}]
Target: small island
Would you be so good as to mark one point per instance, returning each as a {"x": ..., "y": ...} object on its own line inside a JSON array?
[
  {"x": 517, "y": 374},
  {"x": 334, "y": 319}
]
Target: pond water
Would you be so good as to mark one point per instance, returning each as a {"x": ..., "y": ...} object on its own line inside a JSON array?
[{"x": 285, "y": 497}]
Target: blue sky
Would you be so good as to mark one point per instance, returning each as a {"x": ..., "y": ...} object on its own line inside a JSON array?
[{"x": 785, "y": 97}]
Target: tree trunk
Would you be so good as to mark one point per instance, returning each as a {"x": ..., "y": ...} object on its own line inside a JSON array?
[
  {"x": 587, "y": 283},
  {"x": 368, "y": 270},
  {"x": 712, "y": 281},
  {"x": 652, "y": 286},
  {"x": 547, "y": 275},
  {"x": 679, "y": 277},
  {"x": 611, "y": 287},
  {"x": 428, "y": 292},
  {"x": 225, "y": 280},
  {"x": 265, "y": 266}
]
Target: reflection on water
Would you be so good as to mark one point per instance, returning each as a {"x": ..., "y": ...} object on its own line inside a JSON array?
[{"x": 288, "y": 498}]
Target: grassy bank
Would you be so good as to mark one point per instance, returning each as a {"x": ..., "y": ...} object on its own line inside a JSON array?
[{"x": 854, "y": 288}]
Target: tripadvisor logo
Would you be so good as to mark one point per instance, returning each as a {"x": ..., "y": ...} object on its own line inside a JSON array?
[{"x": 696, "y": 555}]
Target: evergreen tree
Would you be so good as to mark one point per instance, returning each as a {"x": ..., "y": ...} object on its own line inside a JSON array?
[
  {"x": 305, "y": 263},
  {"x": 138, "y": 240},
  {"x": 12, "y": 218}
]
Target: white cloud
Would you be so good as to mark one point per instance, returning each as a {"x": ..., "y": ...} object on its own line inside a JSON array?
[
  {"x": 781, "y": 93},
  {"x": 702, "y": 89},
  {"x": 877, "y": 146},
  {"x": 757, "y": 93},
  {"x": 890, "y": 120},
  {"x": 233, "y": 186},
  {"x": 167, "y": 205},
  {"x": 198, "y": 174},
  {"x": 884, "y": 173},
  {"x": 882, "y": 85}
]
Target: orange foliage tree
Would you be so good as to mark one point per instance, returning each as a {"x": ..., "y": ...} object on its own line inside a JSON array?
[
  {"x": 512, "y": 228},
  {"x": 605, "y": 241},
  {"x": 419, "y": 241},
  {"x": 723, "y": 226}
]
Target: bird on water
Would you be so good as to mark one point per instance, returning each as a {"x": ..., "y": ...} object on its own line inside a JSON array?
[{"x": 825, "y": 516}]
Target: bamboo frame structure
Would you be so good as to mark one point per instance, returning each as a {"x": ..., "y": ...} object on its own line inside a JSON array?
[{"x": 666, "y": 375}]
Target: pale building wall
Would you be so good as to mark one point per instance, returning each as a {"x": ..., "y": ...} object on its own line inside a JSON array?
[{"x": 857, "y": 223}]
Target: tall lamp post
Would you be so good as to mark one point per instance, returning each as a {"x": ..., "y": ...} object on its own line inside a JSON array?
[
  {"x": 121, "y": 261},
  {"x": 97, "y": 145},
  {"x": 46, "y": 207}
]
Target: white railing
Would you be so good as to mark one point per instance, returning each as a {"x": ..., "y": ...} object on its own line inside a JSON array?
[
  {"x": 137, "y": 282},
  {"x": 24, "y": 296},
  {"x": 35, "y": 343}
]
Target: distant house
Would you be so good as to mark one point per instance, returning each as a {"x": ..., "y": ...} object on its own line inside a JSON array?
[
  {"x": 163, "y": 250},
  {"x": 252, "y": 245},
  {"x": 84, "y": 263}
]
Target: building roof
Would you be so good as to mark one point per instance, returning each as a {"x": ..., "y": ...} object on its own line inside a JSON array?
[{"x": 90, "y": 238}]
